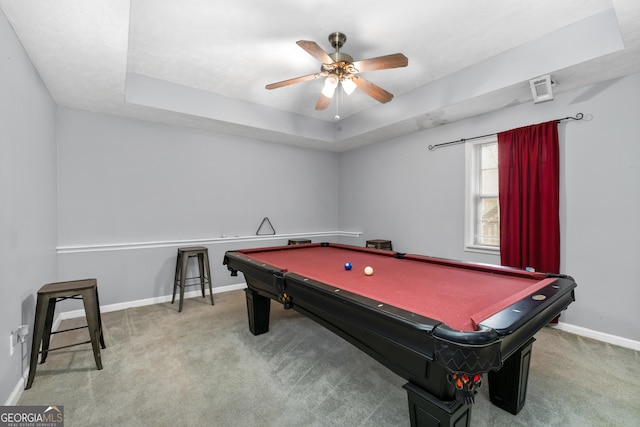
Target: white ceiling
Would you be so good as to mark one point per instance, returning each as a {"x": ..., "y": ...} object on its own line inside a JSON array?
[{"x": 204, "y": 64}]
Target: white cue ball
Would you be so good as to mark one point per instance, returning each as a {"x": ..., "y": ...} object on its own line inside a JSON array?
[{"x": 368, "y": 271}]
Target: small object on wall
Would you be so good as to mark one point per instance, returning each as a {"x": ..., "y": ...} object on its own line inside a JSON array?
[
  {"x": 265, "y": 220},
  {"x": 23, "y": 331},
  {"x": 541, "y": 88}
]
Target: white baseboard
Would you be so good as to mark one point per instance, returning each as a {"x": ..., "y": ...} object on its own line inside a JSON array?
[
  {"x": 599, "y": 336},
  {"x": 15, "y": 395},
  {"x": 140, "y": 303}
]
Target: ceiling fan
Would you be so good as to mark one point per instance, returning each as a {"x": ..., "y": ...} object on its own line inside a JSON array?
[{"x": 340, "y": 69}]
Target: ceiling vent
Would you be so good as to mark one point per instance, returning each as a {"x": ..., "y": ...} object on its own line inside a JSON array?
[{"x": 541, "y": 88}]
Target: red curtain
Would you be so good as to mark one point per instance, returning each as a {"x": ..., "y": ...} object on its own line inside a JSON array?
[{"x": 529, "y": 176}]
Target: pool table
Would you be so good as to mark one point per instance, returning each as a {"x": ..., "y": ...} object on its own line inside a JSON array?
[{"x": 438, "y": 323}]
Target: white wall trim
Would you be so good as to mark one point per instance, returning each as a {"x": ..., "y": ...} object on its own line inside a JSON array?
[
  {"x": 101, "y": 247},
  {"x": 598, "y": 336}
]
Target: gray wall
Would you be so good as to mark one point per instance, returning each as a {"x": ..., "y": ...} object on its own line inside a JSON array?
[
  {"x": 400, "y": 190},
  {"x": 129, "y": 181},
  {"x": 28, "y": 221}
]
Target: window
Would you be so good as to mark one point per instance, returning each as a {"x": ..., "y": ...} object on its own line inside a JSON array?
[{"x": 482, "y": 229}]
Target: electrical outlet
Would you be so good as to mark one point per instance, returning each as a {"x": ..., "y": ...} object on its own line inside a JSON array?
[{"x": 11, "y": 341}]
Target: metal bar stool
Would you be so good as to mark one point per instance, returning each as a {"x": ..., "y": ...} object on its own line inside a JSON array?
[
  {"x": 48, "y": 296},
  {"x": 181, "y": 279},
  {"x": 380, "y": 244},
  {"x": 298, "y": 241}
]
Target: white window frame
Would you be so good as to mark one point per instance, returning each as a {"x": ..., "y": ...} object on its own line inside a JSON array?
[{"x": 472, "y": 183}]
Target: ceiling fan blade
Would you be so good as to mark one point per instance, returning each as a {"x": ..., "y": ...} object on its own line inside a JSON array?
[
  {"x": 294, "y": 81},
  {"x": 323, "y": 102},
  {"x": 316, "y": 51},
  {"x": 372, "y": 90},
  {"x": 395, "y": 60}
]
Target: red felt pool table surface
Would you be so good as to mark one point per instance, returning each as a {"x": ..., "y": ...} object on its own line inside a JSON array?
[{"x": 458, "y": 294}]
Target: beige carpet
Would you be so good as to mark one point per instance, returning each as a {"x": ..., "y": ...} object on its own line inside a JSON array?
[{"x": 203, "y": 367}]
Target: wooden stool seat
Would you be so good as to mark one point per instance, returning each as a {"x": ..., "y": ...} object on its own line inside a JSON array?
[
  {"x": 48, "y": 296},
  {"x": 181, "y": 279}
]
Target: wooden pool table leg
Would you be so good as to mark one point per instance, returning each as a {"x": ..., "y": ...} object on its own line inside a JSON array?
[
  {"x": 508, "y": 386},
  {"x": 425, "y": 410},
  {"x": 258, "y": 309}
]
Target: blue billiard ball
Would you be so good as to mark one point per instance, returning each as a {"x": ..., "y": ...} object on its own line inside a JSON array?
[{"x": 347, "y": 266}]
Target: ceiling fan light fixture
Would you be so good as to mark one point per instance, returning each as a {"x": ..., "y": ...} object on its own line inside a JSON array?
[
  {"x": 330, "y": 84},
  {"x": 349, "y": 86}
]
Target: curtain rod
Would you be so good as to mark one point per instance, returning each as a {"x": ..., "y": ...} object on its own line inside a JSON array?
[{"x": 578, "y": 116}]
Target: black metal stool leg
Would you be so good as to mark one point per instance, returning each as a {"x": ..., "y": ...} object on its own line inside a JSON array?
[
  {"x": 91, "y": 312},
  {"x": 38, "y": 329},
  {"x": 201, "y": 271},
  {"x": 207, "y": 270},
  {"x": 100, "y": 320},
  {"x": 48, "y": 324},
  {"x": 177, "y": 275},
  {"x": 184, "y": 264}
]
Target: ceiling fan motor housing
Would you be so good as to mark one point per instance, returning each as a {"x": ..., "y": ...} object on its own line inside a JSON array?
[
  {"x": 340, "y": 57},
  {"x": 337, "y": 39}
]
